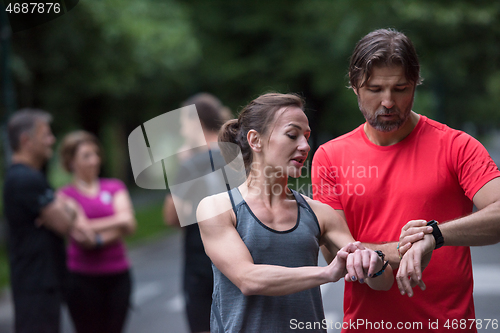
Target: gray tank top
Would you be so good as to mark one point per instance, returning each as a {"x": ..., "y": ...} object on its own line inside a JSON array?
[{"x": 234, "y": 312}]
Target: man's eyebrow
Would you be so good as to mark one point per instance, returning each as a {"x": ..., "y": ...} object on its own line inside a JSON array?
[
  {"x": 297, "y": 126},
  {"x": 371, "y": 85}
]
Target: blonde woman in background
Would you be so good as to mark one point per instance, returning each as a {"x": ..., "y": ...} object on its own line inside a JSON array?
[{"x": 99, "y": 287}]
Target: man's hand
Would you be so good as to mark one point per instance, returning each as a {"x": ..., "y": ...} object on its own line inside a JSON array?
[
  {"x": 413, "y": 263},
  {"x": 412, "y": 232}
]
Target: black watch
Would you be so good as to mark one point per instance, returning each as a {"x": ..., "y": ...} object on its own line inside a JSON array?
[{"x": 438, "y": 236}]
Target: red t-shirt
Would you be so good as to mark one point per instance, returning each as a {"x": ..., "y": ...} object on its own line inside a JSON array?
[{"x": 432, "y": 174}]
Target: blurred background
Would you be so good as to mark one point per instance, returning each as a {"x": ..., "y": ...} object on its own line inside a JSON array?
[{"x": 108, "y": 66}]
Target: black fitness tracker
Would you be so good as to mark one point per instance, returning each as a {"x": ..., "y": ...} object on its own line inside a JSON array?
[
  {"x": 382, "y": 256},
  {"x": 438, "y": 236}
]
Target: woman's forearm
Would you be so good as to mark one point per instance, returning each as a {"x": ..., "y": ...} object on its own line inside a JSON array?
[
  {"x": 382, "y": 282},
  {"x": 270, "y": 280},
  {"x": 121, "y": 221},
  {"x": 110, "y": 236}
]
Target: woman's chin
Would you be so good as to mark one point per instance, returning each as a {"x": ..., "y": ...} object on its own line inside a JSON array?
[{"x": 294, "y": 172}]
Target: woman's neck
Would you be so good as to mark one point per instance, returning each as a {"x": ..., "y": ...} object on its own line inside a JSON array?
[
  {"x": 86, "y": 185},
  {"x": 267, "y": 187}
]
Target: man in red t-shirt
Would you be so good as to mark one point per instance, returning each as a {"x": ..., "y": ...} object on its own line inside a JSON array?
[{"x": 401, "y": 166}]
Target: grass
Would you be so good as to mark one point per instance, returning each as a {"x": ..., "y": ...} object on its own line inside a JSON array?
[
  {"x": 4, "y": 267},
  {"x": 149, "y": 224}
]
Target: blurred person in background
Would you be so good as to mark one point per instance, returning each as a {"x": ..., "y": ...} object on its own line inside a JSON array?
[
  {"x": 37, "y": 223},
  {"x": 197, "y": 273},
  {"x": 99, "y": 286}
]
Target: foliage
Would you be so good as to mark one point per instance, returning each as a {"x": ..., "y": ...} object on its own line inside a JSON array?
[
  {"x": 149, "y": 223},
  {"x": 304, "y": 46},
  {"x": 115, "y": 64}
]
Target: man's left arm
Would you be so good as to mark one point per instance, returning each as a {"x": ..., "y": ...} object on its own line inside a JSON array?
[{"x": 479, "y": 228}]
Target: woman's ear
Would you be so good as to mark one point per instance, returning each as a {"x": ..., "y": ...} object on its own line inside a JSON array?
[{"x": 254, "y": 140}]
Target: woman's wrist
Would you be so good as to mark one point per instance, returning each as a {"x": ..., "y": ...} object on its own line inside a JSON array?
[{"x": 98, "y": 241}]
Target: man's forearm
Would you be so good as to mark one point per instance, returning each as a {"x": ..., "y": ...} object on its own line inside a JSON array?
[
  {"x": 58, "y": 217},
  {"x": 389, "y": 249},
  {"x": 477, "y": 229}
]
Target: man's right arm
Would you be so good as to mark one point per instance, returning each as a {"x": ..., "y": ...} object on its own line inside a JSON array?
[
  {"x": 63, "y": 217},
  {"x": 389, "y": 249},
  {"x": 58, "y": 216}
]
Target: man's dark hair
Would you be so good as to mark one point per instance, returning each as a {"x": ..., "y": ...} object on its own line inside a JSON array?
[
  {"x": 383, "y": 47},
  {"x": 24, "y": 121},
  {"x": 210, "y": 110}
]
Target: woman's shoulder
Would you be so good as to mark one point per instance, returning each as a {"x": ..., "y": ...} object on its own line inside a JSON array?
[
  {"x": 217, "y": 205},
  {"x": 315, "y": 204},
  {"x": 322, "y": 210}
]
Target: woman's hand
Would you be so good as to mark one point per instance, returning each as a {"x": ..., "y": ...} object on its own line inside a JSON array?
[
  {"x": 338, "y": 265},
  {"x": 413, "y": 263},
  {"x": 412, "y": 232},
  {"x": 362, "y": 264},
  {"x": 82, "y": 233}
]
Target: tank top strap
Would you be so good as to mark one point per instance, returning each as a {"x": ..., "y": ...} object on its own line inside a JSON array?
[
  {"x": 302, "y": 202},
  {"x": 236, "y": 199},
  {"x": 300, "y": 199}
]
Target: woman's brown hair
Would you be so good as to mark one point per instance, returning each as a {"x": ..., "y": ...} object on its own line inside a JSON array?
[
  {"x": 257, "y": 115},
  {"x": 70, "y": 144}
]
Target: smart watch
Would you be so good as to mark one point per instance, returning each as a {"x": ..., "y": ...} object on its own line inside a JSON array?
[{"x": 438, "y": 236}]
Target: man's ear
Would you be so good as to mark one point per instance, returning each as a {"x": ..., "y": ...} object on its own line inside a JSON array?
[
  {"x": 24, "y": 138},
  {"x": 254, "y": 140},
  {"x": 355, "y": 91}
]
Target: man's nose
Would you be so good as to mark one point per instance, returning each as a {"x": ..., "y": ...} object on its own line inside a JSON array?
[{"x": 388, "y": 100}]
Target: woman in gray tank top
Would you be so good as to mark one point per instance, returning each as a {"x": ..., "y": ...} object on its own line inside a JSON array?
[{"x": 263, "y": 238}]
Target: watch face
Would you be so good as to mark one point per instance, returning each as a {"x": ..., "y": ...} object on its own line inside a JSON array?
[{"x": 432, "y": 223}]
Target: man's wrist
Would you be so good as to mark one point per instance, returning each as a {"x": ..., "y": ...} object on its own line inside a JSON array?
[{"x": 436, "y": 234}]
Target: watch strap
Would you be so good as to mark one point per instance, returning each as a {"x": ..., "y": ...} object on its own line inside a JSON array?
[
  {"x": 438, "y": 236},
  {"x": 382, "y": 256}
]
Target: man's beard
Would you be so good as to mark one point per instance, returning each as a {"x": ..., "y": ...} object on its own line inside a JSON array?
[{"x": 384, "y": 125}]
